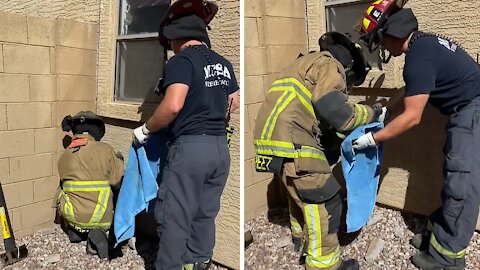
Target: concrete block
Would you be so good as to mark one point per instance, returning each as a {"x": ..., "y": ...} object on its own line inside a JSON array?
[
  {"x": 53, "y": 61},
  {"x": 71, "y": 108},
  {"x": 248, "y": 172},
  {"x": 1, "y": 57},
  {"x": 279, "y": 57},
  {"x": 14, "y": 88},
  {"x": 4, "y": 171},
  {"x": 255, "y": 61},
  {"x": 76, "y": 88},
  {"x": 30, "y": 167},
  {"x": 72, "y": 61},
  {"x": 26, "y": 59},
  {"x": 18, "y": 194},
  {"x": 253, "y": 8},
  {"x": 13, "y": 27},
  {"x": 252, "y": 115},
  {"x": 23, "y": 233},
  {"x": 37, "y": 214},
  {"x": 254, "y": 89},
  {"x": 3, "y": 117},
  {"x": 285, "y": 31},
  {"x": 45, "y": 188},
  {"x": 285, "y": 8},
  {"x": 16, "y": 143},
  {"x": 15, "y": 219},
  {"x": 248, "y": 146},
  {"x": 29, "y": 115},
  {"x": 41, "y": 31},
  {"x": 45, "y": 140},
  {"x": 42, "y": 88},
  {"x": 251, "y": 32},
  {"x": 256, "y": 196},
  {"x": 76, "y": 34},
  {"x": 45, "y": 229}
]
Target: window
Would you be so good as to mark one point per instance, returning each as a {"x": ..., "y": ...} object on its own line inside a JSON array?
[
  {"x": 343, "y": 16},
  {"x": 139, "y": 56}
]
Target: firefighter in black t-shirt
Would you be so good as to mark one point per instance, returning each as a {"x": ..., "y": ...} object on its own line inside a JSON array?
[
  {"x": 437, "y": 70},
  {"x": 200, "y": 91}
]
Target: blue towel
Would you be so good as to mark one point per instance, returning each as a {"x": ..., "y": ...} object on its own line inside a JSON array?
[
  {"x": 361, "y": 170},
  {"x": 140, "y": 184}
]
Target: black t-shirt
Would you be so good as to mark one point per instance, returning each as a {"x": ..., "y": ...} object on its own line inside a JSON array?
[
  {"x": 440, "y": 68},
  {"x": 204, "y": 108}
]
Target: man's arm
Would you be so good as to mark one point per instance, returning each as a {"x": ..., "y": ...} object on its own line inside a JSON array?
[
  {"x": 234, "y": 99},
  {"x": 169, "y": 107},
  {"x": 410, "y": 117}
]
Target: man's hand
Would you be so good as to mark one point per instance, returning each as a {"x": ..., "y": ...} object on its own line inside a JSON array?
[
  {"x": 364, "y": 141},
  {"x": 141, "y": 134}
]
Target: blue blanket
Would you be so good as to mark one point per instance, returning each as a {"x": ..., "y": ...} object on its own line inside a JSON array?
[
  {"x": 361, "y": 170},
  {"x": 140, "y": 184}
]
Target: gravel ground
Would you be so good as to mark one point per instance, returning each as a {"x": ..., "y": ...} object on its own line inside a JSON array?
[
  {"x": 43, "y": 247},
  {"x": 394, "y": 227}
]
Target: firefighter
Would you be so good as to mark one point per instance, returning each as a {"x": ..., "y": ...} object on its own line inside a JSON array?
[
  {"x": 90, "y": 174},
  {"x": 437, "y": 71},
  {"x": 307, "y": 100},
  {"x": 200, "y": 90}
]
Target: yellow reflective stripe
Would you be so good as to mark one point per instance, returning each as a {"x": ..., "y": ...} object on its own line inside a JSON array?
[
  {"x": 281, "y": 104},
  {"x": 68, "y": 209},
  {"x": 292, "y": 84},
  {"x": 443, "y": 251},
  {"x": 101, "y": 207},
  {"x": 81, "y": 182},
  {"x": 324, "y": 261},
  {"x": 314, "y": 230},
  {"x": 429, "y": 226},
  {"x": 84, "y": 227},
  {"x": 296, "y": 228},
  {"x": 362, "y": 114},
  {"x": 286, "y": 149}
]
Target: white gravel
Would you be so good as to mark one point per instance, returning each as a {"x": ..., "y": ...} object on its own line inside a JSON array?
[
  {"x": 43, "y": 248},
  {"x": 394, "y": 227}
]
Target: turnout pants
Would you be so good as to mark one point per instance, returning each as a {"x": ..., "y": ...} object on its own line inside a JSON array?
[
  {"x": 315, "y": 220},
  {"x": 454, "y": 223},
  {"x": 189, "y": 199}
]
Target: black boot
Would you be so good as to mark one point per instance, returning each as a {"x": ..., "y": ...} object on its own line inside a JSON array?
[
  {"x": 420, "y": 241},
  {"x": 97, "y": 243},
  {"x": 75, "y": 236},
  {"x": 424, "y": 261},
  {"x": 351, "y": 264},
  {"x": 298, "y": 245}
]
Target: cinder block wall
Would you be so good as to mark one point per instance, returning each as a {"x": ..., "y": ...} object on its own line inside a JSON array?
[
  {"x": 412, "y": 165},
  {"x": 47, "y": 70},
  {"x": 275, "y": 34}
]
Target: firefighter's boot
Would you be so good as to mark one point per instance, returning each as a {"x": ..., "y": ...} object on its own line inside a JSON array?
[
  {"x": 97, "y": 243},
  {"x": 420, "y": 241},
  {"x": 351, "y": 264},
  {"x": 424, "y": 261}
]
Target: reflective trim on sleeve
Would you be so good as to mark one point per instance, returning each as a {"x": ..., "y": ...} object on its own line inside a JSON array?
[{"x": 362, "y": 114}]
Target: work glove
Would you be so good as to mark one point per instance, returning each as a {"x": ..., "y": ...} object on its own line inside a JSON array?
[
  {"x": 141, "y": 134},
  {"x": 384, "y": 115},
  {"x": 364, "y": 141}
]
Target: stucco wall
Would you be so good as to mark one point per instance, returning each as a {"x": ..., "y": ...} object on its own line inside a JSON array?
[
  {"x": 225, "y": 37},
  {"x": 45, "y": 73},
  {"x": 411, "y": 170}
]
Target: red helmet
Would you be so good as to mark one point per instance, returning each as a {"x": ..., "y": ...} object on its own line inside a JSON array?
[{"x": 374, "y": 18}]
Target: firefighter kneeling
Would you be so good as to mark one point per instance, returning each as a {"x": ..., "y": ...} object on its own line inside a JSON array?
[{"x": 90, "y": 176}]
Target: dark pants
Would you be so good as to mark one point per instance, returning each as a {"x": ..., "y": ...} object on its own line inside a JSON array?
[
  {"x": 454, "y": 224},
  {"x": 189, "y": 199}
]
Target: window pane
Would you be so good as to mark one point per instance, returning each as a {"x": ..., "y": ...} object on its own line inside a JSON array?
[
  {"x": 141, "y": 16},
  {"x": 139, "y": 66},
  {"x": 344, "y": 18}
]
